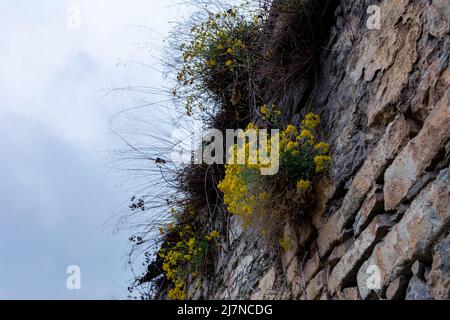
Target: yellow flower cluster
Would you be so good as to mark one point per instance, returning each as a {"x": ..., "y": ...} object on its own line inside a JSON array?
[
  {"x": 214, "y": 47},
  {"x": 178, "y": 292},
  {"x": 285, "y": 243},
  {"x": 265, "y": 111},
  {"x": 306, "y": 136},
  {"x": 322, "y": 147},
  {"x": 311, "y": 121},
  {"x": 178, "y": 260},
  {"x": 236, "y": 191},
  {"x": 213, "y": 235},
  {"x": 322, "y": 162},
  {"x": 303, "y": 185},
  {"x": 270, "y": 114},
  {"x": 301, "y": 156}
]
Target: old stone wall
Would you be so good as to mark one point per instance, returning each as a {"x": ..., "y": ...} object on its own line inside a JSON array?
[{"x": 380, "y": 229}]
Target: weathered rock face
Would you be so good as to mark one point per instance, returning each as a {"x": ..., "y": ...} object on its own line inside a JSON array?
[
  {"x": 439, "y": 278},
  {"x": 423, "y": 222},
  {"x": 418, "y": 290},
  {"x": 384, "y": 98},
  {"x": 353, "y": 258},
  {"x": 418, "y": 155}
]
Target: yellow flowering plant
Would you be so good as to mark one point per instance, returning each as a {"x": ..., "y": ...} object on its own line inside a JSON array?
[
  {"x": 271, "y": 114},
  {"x": 214, "y": 56},
  {"x": 185, "y": 255},
  {"x": 302, "y": 157}
]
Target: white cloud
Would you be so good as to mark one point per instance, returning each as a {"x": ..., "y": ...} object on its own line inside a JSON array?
[
  {"x": 56, "y": 75},
  {"x": 53, "y": 115}
]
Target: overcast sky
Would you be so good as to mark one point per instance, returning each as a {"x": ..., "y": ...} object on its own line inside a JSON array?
[{"x": 56, "y": 192}]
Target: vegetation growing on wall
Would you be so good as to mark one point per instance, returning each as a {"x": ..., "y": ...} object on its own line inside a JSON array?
[
  {"x": 228, "y": 59},
  {"x": 260, "y": 200},
  {"x": 185, "y": 255},
  {"x": 216, "y": 61}
]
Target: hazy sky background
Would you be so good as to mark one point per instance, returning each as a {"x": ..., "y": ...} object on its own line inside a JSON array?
[{"x": 56, "y": 192}]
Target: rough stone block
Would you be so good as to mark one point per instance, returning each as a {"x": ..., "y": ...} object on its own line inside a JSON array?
[
  {"x": 418, "y": 290},
  {"x": 311, "y": 267},
  {"x": 316, "y": 285},
  {"x": 339, "y": 251},
  {"x": 350, "y": 262},
  {"x": 411, "y": 237},
  {"x": 396, "y": 137},
  {"x": 397, "y": 289},
  {"x": 439, "y": 277},
  {"x": 372, "y": 205},
  {"x": 415, "y": 158},
  {"x": 349, "y": 294}
]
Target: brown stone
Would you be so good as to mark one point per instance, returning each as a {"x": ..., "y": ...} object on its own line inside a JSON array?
[
  {"x": 265, "y": 286},
  {"x": 324, "y": 189},
  {"x": 349, "y": 294},
  {"x": 396, "y": 137},
  {"x": 411, "y": 237},
  {"x": 293, "y": 278},
  {"x": 324, "y": 296},
  {"x": 372, "y": 205},
  {"x": 311, "y": 267},
  {"x": 395, "y": 78},
  {"x": 305, "y": 234},
  {"x": 438, "y": 16},
  {"x": 397, "y": 289},
  {"x": 377, "y": 50},
  {"x": 292, "y": 271},
  {"x": 339, "y": 251},
  {"x": 411, "y": 163},
  {"x": 420, "y": 184},
  {"x": 350, "y": 262},
  {"x": 421, "y": 102},
  {"x": 296, "y": 239},
  {"x": 316, "y": 285}
]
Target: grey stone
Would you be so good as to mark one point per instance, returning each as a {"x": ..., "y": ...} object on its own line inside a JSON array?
[
  {"x": 418, "y": 269},
  {"x": 418, "y": 290},
  {"x": 439, "y": 276},
  {"x": 236, "y": 228}
]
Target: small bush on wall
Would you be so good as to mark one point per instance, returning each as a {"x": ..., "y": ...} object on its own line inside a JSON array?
[
  {"x": 259, "y": 199},
  {"x": 184, "y": 258},
  {"x": 216, "y": 59}
]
